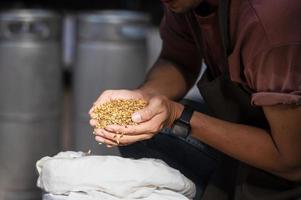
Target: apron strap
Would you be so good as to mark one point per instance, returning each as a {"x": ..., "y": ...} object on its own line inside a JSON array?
[
  {"x": 223, "y": 14},
  {"x": 197, "y": 34}
]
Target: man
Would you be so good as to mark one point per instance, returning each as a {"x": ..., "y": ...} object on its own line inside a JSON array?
[{"x": 263, "y": 133}]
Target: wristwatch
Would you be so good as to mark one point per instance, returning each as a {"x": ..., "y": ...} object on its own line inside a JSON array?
[{"x": 181, "y": 126}]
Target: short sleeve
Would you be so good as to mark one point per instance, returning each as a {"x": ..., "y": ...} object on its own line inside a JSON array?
[
  {"x": 275, "y": 76},
  {"x": 178, "y": 42}
]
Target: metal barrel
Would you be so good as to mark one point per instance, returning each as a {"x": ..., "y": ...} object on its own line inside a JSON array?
[
  {"x": 111, "y": 53},
  {"x": 30, "y": 98}
]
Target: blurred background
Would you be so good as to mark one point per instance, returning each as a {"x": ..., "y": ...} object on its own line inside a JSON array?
[{"x": 56, "y": 58}]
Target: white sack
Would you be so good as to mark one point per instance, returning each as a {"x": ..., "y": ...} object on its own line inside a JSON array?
[{"x": 82, "y": 176}]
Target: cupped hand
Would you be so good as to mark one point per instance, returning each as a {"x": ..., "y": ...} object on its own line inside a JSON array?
[
  {"x": 110, "y": 95},
  {"x": 159, "y": 112}
]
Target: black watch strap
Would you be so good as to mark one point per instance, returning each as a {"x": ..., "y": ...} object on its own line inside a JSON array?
[
  {"x": 181, "y": 126},
  {"x": 186, "y": 115}
]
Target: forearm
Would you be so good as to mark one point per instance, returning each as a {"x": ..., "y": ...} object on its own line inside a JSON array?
[
  {"x": 166, "y": 79},
  {"x": 251, "y": 145}
]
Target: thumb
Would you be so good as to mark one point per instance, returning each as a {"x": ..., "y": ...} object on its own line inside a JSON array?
[
  {"x": 148, "y": 112},
  {"x": 143, "y": 115}
]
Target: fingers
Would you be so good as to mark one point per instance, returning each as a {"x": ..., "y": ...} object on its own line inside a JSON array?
[
  {"x": 113, "y": 139},
  {"x": 103, "y": 140},
  {"x": 104, "y": 97},
  {"x": 101, "y": 136},
  {"x": 108, "y": 137},
  {"x": 129, "y": 139},
  {"x": 93, "y": 122},
  {"x": 127, "y": 130},
  {"x": 150, "y": 127}
]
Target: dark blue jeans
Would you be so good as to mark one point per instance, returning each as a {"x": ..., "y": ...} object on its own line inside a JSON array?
[{"x": 193, "y": 158}]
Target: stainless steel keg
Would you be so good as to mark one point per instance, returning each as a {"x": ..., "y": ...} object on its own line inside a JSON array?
[
  {"x": 110, "y": 54},
  {"x": 30, "y": 98}
]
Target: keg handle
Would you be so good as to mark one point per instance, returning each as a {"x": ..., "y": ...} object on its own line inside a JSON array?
[
  {"x": 11, "y": 28},
  {"x": 22, "y": 28},
  {"x": 133, "y": 31}
]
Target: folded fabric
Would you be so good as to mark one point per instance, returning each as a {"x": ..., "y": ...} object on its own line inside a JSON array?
[{"x": 79, "y": 176}]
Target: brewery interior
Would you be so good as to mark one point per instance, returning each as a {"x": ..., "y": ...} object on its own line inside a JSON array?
[{"x": 56, "y": 57}]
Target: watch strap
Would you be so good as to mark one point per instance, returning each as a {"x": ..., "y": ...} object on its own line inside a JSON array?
[
  {"x": 186, "y": 115},
  {"x": 181, "y": 126}
]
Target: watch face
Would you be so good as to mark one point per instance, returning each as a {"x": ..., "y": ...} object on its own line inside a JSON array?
[{"x": 180, "y": 129}]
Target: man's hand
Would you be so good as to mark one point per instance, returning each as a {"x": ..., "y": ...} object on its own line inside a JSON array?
[{"x": 159, "y": 112}]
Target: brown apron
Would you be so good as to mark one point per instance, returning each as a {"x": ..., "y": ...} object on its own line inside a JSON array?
[{"x": 231, "y": 101}]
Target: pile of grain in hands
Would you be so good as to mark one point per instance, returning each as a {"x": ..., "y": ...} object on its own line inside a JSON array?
[{"x": 116, "y": 112}]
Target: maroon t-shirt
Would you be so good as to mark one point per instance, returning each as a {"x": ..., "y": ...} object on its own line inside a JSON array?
[{"x": 266, "y": 42}]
